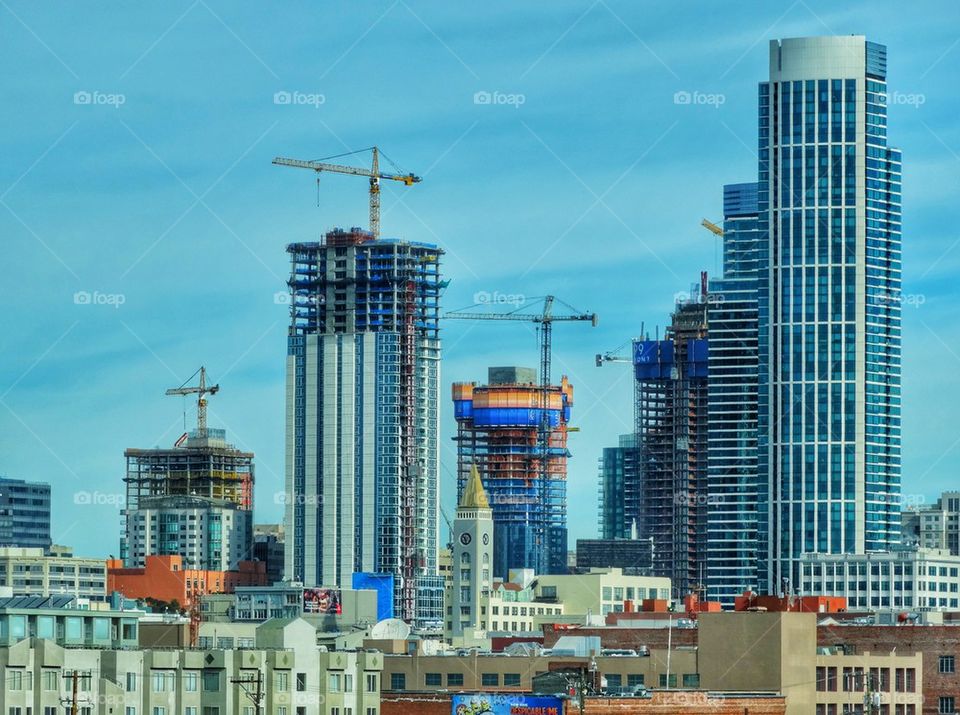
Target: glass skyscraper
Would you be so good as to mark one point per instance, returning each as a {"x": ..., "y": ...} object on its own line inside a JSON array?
[
  {"x": 828, "y": 307},
  {"x": 732, "y": 403}
]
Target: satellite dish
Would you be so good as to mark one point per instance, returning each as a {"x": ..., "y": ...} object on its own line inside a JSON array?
[
  {"x": 430, "y": 647},
  {"x": 390, "y": 629}
]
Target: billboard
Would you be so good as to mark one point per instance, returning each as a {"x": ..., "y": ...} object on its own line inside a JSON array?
[
  {"x": 321, "y": 600},
  {"x": 506, "y": 704}
]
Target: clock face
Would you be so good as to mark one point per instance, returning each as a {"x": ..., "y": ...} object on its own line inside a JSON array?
[
  {"x": 486, "y": 539},
  {"x": 465, "y": 539}
]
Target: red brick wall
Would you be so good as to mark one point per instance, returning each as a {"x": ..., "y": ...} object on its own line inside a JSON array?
[{"x": 626, "y": 637}]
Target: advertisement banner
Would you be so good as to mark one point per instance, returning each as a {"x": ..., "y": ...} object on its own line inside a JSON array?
[
  {"x": 506, "y": 704},
  {"x": 321, "y": 600}
]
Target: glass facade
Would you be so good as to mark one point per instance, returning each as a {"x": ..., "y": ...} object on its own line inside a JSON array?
[
  {"x": 828, "y": 307},
  {"x": 732, "y": 403}
]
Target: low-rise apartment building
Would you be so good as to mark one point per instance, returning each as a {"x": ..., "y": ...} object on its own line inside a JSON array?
[{"x": 31, "y": 572}]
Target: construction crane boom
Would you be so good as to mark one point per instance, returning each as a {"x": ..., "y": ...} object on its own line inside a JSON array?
[
  {"x": 200, "y": 391},
  {"x": 545, "y": 320},
  {"x": 373, "y": 173},
  {"x": 712, "y": 227}
]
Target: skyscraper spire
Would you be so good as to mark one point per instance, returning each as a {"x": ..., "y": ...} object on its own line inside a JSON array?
[{"x": 474, "y": 495}]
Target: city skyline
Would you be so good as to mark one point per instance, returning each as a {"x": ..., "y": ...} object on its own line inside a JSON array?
[{"x": 91, "y": 189}]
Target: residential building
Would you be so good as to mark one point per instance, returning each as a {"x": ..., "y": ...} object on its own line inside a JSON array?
[
  {"x": 906, "y": 577},
  {"x": 731, "y": 563},
  {"x": 362, "y": 412},
  {"x": 829, "y": 306},
  {"x": 24, "y": 513},
  {"x": 671, "y": 429},
  {"x": 619, "y": 489},
  {"x": 600, "y": 591},
  {"x": 167, "y": 579},
  {"x": 29, "y": 572},
  {"x": 209, "y": 534},
  {"x": 934, "y": 526},
  {"x": 472, "y": 561},
  {"x": 514, "y": 609},
  {"x": 60, "y": 620},
  {"x": 194, "y": 500},
  {"x": 295, "y": 676},
  {"x": 499, "y": 428}
]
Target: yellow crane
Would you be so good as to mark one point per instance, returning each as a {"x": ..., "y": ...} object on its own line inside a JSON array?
[
  {"x": 712, "y": 227},
  {"x": 374, "y": 174},
  {"x": 200, "y": 391}
]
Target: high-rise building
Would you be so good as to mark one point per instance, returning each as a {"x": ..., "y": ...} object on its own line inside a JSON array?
[
  {"x": 194, "y": 500},
  {"x": 24, "y": 513},
  {"x": 671, "y": 429},
  {"x": 472, "y": 560},
  {"x": 732, "y": 403},
  {"x": 619, "y": 489},
  {"x": 362, "y": 411},
  {"x": 498, "y": 432},
  {"x": 829, "y": 306}
]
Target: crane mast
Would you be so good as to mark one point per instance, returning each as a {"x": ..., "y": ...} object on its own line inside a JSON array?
[{"x": 201, "y": 390}]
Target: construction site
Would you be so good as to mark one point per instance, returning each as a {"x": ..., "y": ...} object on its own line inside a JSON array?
[
  {"x": 671, "y": 434},
  {"x": 200, "y": 473},
  {"x": 498, "y": 432}
]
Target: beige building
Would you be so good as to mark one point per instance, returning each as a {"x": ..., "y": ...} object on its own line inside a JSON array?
[
  {"x": 601, "y": 591},
  {"x": 296, "y": 678},
  {"x": 29, "y": 572}
]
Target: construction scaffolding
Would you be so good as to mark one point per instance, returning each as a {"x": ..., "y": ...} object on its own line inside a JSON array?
[
  {"x": 671, "y": 429},
  {"x": 499, "y": 431},
  {"x": 205, "y": 466}
]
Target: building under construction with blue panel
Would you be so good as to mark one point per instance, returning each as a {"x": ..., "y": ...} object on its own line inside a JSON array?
[
  {"x": 497, "y": 430},
  {"x": 671, "y": 429}
]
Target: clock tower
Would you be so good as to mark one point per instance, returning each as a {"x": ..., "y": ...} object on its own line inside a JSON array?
[{"x": 472, "y": 556}]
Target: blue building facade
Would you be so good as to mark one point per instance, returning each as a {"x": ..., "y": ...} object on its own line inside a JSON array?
[
  {"x": 828, "y": 307},
  {"x": 732, "y": 403},
  {"x": 24, "y": 513}
]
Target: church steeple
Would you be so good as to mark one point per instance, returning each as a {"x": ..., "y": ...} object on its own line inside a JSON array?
[{"x": 474, "y": 495}]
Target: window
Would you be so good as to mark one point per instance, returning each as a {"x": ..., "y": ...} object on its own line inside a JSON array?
[
  {"x": 398, "y": 681},
  {"x": 301, "y": 682},
  {"x": 947, "y": 664},
  {"x": 634, "y": 679},
  {"x": 159, "y": 710},
  {"x": 348, "y": 682},
  {"x": 190, "y": 710},
  {"x": 131, "y": 682},
  {"x": 211, "y": 710},
  {"x": 614, "y": 681},
  {"x": 946, "y": 705},
  {"x": 15, "y": 678},
  {"x": 162, "y": 681},
  {"x": 490, "y": 679},
  {"x": 372, "y": 682},
  {"x": 663, "y": 680},
  {"x": 511, "y": 679},
  {"x": 281, "y": 680},
  {"x": 433, "y": 679},
  {"x": 211, "y": 682},
  {"x": 190, "y": 680},
  {"x": 333, "y": 682},
  {"x": 49, "y": 678},
  {"x": 691, "y": 680},
  {"x": 454, "y": 679}
]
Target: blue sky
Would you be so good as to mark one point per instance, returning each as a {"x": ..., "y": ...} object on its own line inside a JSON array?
[{"x": 583, "y": 179}]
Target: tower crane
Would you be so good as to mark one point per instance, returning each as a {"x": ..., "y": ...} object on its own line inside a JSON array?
[
  {"x": 200, "y": 391},
  {"x": 374, "y": 174},
  {"x": 544, "y": 321},
  {"x": 616, "y": 355}
]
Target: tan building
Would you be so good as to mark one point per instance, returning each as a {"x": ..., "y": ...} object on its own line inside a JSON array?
[
  {"x": 894, "y": 681},
  {"x": 601, "y": 591},
  {"x": 296, "y": 677},
  {"x": 29, "y": 572}
]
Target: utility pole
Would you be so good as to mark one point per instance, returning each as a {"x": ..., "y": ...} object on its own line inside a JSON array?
[
  {"x": 254, "y": 693},
  {"x": 72, "y": 702}
]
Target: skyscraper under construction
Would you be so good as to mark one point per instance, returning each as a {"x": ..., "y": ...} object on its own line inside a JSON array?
[
  {"x": 363, "y": 365},
  {"x": 498, "y": 428}
]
